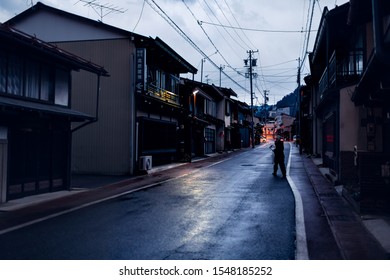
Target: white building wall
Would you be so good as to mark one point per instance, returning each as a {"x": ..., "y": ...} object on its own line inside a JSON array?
[
  {"x": 349, "y": 120},
  {"x": 285, "y": 110}
]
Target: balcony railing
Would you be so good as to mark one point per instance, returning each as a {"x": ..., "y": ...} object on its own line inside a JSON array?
[
  {"x": 163, "y": 94},
  {"x": 342, "y": 69}
]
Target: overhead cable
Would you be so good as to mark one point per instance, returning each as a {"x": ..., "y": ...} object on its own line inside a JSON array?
[
  {"x": 255, "y": 29},
  {"x": 227, "y": 19},
  {"x": 249, "y": 40},
  {"x": 161, "y": 12},
  {"x": 208, "y": 11},
  {"x": 140, "y": 16},
  {"x": 308, "y": 37},
  {"x": 204, "y": 31}
]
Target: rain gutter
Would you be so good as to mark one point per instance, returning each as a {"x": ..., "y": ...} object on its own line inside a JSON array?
[{"x": 96, "y": 118}]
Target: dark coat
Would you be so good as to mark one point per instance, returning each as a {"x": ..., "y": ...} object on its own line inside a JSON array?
[{"x": 279, "y": 150}]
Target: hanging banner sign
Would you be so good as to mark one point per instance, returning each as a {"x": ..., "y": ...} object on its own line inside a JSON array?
[{"x": 140, "y": 79}]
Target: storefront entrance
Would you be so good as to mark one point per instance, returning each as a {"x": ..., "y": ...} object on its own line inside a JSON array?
[{"x": 38, "y": 158}]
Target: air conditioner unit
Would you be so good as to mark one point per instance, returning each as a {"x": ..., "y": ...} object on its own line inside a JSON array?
[{"x": 145, "y": 163}]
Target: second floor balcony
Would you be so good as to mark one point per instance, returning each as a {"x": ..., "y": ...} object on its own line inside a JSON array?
[
  {"x": 342, "y": 69},
  {"x": 163, "y": 95}
]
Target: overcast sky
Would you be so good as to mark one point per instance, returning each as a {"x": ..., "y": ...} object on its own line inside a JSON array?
[{"x": 228, "y": 30}]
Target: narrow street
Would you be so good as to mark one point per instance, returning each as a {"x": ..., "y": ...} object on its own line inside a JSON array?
[
  {"x": 126, "y": 133},
  {"x": 233, "y": 209}
]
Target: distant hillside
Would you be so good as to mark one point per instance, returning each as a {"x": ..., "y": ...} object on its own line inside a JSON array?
[{"x": 289, "y": 100}]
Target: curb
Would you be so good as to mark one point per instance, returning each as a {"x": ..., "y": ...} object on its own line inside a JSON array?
[
  {"x": 353, "y": 239},
  {"x": 301, "y": 240}
]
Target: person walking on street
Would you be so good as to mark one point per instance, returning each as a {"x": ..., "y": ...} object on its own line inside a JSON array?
[{"x": 279, "y": 157}]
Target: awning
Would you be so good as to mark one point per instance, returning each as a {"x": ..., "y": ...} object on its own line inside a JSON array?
[
  {"x": 24, "y": 105},
  {"x": 200, "y": 121}
]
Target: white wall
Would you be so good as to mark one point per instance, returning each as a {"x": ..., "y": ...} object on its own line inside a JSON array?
[{"x": 349, "y": 120}]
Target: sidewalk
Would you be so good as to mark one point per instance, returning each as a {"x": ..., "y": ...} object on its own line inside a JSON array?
[
  {"x": 356, "y": 238},
  {"x": 328, "y": 228}
]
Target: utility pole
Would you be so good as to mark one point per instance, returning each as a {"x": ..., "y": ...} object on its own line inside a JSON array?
[
  {"x": 252, "y": 62},
  {"x": 207, "y": 79},
  {"x": 201, "y": 70},
  {"x": 220, "y": 74},
  {"x": 203, "y": 61},
  {"x": 265, "y": 104}
]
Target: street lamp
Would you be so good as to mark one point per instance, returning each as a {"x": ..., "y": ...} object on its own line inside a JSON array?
[{"x": 194, "y": 93}]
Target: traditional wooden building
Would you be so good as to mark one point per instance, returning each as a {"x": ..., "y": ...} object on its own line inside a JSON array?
[
  {"x": 336, "y": 65},
  {"x": 349, "y": 103},
  {"x": 36, "y": 116},
  {"x": 371, "y": 97},
  {"x": 240, "y": 127},
  {"x": 205, "y": 124},
  {"x": 140, "y": 104}
]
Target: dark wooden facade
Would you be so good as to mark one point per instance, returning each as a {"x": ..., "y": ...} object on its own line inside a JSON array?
[{"x": 35, "y": 114}]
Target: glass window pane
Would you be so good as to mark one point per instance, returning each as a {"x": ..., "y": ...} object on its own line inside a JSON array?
[
  {"x": 15, "y": 76},
  {"x": 163, "y": 80},
  {"x": 3, "y": 72},
  {"x": 158, "y": 79},
  {"x": 32, "y": 80},
  {"x": 46, "y": 84},
  {"x": 62, "y": 88}
]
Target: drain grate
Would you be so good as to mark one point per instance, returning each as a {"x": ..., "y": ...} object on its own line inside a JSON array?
[{"x": 247, "y": 164}]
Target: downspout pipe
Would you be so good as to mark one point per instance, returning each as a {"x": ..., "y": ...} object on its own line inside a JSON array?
[
  {"x": 95, "y": 119},
  {"x": 379, "y": 52},
  {"x": 97, "y": 99}
]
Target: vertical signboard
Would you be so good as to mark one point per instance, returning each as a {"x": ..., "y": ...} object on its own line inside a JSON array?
[{"x": 140, "y": 79}]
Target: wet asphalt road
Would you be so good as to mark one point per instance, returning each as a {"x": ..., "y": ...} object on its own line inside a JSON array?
[{"x": 231, "y": 210}]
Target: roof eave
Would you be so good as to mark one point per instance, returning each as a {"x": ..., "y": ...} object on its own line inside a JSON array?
[
  {"x": 28, "y": 41},
  {"x": 162, "y": 45}
]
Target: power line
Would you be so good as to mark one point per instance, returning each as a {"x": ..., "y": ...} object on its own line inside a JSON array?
[
  {"x": 223, "y": 13},
  {"x": 140, "y": 16},
  {"x": 306, "y": 26},
  {"x": 254, "y": 29},
  {"x": 319, "y": 6},
  {"x": 212, "y": 12},
  {"x": 162, "y": 13},
  {"x": 218, "y": 30},
  {"x": 262, "y": 81},
  {"x": 239, "y": 24},
  {"x": 208, "y": 37},
  {"x": 280, "y": 63},
  {"x": 308, "y": 36},
  {"x": 211, "y": 41},
  {"x": 262, "y": 74}
]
